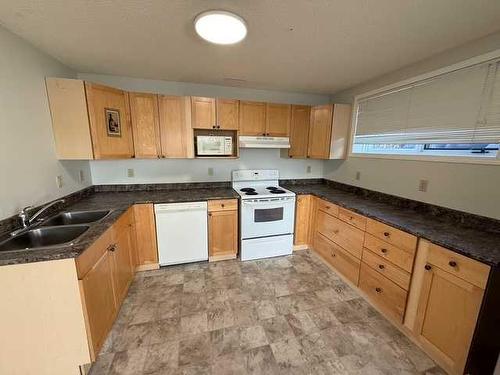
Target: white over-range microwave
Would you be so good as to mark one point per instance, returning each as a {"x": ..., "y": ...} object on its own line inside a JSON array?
[{"x": 214, "y": 145}]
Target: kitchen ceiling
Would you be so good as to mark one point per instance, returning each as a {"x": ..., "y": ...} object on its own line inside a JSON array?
[{"x": 319, "y": 46}]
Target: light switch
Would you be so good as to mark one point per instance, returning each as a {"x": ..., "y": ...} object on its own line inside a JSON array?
[
  {"x": 308, "y": 169},
  {"x": 210, "y": 171},
  {"x": 422, "y": 185},
  {"x": 130, "y": 172}
]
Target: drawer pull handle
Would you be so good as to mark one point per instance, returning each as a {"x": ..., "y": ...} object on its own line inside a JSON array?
[
  {"x": 452, "y": 263},
  {"x": 428, "y": 267},
  {"x": 384, "y": 250},
  {"x": 381, "y": 266},
  {"x": 387, "y": 234},
  {"x": 378, "y": 290},
  {"x": 333, "y": 255}
]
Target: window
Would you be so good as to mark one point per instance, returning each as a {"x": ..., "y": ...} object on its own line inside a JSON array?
[{"x": 455, "y": 114}]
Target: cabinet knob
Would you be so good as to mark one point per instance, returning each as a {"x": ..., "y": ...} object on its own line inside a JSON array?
[
  {"x": 264, "y": 134},
  {"x": 381, "y": 266},
  {"x": 428, "y": 267},
  {"x": 384, "y": 250},
  {"x": 378, "y": 290},
  {"x": 452, "y": 263},
  {"x": 387, "y": 234},
  {"x": 112, "y": 247},
  {"x": 222, "y": 205},
  {"x": 333, "y": 255}
]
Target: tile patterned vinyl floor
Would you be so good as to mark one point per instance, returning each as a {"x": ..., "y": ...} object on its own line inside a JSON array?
[{"x": 288, "y": 315}]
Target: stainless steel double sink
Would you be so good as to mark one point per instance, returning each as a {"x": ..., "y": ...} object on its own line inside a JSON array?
[{"x": 58, "y": 230}]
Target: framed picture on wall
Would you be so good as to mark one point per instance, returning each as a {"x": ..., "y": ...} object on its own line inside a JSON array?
[{"x": 113, "y": 123}]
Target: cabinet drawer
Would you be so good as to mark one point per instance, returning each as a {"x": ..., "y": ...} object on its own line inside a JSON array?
[
  {"x": 343, "y": 234},
  {"x": 359, "y": 221},
  {"x": 400, "y": 258},
  {"x": 386, "y": 268},
  {"x": 328, "y": 207},
  {"x": 90, "y": 256},
  {"x": 223, "y": 205},
  {"x": 465, "y": 268},
  {"x": 340, "y": 259},
  {"x": 392, "y": 235},
  {"x": 383, "y": 292}
]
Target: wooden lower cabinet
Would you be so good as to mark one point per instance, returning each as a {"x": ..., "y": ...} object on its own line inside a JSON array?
[
  {"x": 445, "y": 306},
  {"x": 98, "y": 302},
  {"x": 340, "y": 259},
  {"x": 222, "y": 229},
  {"x": 302, "y": 221},
  {"x": 122, "y": 262},
  {"x": 146, "y": 249}
]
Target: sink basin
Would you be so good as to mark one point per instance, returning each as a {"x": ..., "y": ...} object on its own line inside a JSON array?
[
  {"x": 43, "y": 237},
  {"x": 75, "y": 217}
]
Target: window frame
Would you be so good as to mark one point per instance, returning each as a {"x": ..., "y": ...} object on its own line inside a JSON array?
[{"x": 466, "y": 159}]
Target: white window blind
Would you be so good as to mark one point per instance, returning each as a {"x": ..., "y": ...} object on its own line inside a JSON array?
[{"x": 458, "y": 107}]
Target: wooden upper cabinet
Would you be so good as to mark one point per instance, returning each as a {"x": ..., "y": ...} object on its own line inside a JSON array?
[
  {"x": 145, "y": 125},
  {"x": 278, "y": 120},
  {"x": 299, "y": 130},
  {"x": 252, "y": 118},
  {"x": 329, "y": 131},
  {"x": 228, "y": 111},
  {"x": 320, "y": 132},
  {"x": 70, "y": 120},
  {"x": 109, "y": 122},
  {"x": 203, "y": 114},
  {"x": 175, "y": 127}
]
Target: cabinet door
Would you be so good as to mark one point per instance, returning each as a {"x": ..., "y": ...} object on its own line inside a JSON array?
[
  {"x": 203, "y": 113},
  {"x": 228, "y": 111},
  {"x": 299, "y": 131},
  {"x": 222, "y": 234},
  {"x": 446, "y": 316},
  {"x": 277, "y": 120},
  {"x": 302, "y": 216},
  {"x": 175, "y": 127},
  {"x": 122, "y": 264},
  {"x": 320, "y": 132},
  {"x": 98, "y": 300},
  {"x": 145, "y": 232},
  {"x": 252, "y": 118},
  {"x": 109, "y": 122},
  {"x": 145, "y": 125}
]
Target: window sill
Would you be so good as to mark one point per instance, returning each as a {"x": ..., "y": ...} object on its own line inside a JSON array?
[{"x": 429, "y": 158}]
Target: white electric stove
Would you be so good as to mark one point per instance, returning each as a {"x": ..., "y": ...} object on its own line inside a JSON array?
[{"x": 267, "y": 214}]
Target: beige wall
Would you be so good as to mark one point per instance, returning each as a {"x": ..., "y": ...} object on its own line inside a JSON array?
[
  {"x": 27, "y": 157},
  {"x": 467, "y": 187}
]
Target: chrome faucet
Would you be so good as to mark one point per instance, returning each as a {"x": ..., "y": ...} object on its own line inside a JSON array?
[{"x": 26, "y": 220}]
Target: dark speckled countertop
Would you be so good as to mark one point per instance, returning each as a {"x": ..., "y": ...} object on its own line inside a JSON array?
[
  {"x": 477, "y": 244},
  {"x": 118, "y": 202}
]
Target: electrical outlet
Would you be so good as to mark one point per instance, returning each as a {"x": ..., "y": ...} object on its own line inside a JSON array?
[
  {"x": 358, "y": 175},
  {"x": 308, "y": 169},
  {"x": 81, "y": 176},
  {"x": 59, "y": 181},
  {"x": 210, "y": 171},
  {"x": 130, "y": 172},
  {"x": 422, "y": 185}
]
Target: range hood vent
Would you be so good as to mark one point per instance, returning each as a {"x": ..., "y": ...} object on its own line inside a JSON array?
[{"x": 264, "y": 142}]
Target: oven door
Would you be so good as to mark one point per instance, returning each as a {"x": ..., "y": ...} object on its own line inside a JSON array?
[{"x": 267, "y": 217}]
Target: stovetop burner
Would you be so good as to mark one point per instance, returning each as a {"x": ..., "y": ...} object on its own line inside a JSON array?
[
  {"x": 272, "y": 188},
  {"x": 277, "y": 191},
  {"x": 252, "y": 193},
  {"x": 247, "y": 190}
]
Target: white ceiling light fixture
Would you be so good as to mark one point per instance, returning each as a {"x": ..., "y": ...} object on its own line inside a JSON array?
[{"x": 220, "y": 27}]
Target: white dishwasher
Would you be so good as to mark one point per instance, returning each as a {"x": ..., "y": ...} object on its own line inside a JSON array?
[{"x": 181, "y": 232}]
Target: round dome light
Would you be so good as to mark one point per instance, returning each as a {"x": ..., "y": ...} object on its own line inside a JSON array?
[{"x": 220, "y": 27}]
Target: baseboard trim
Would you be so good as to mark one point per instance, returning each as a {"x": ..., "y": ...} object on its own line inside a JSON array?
[{"x": 147, "y": 267}]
